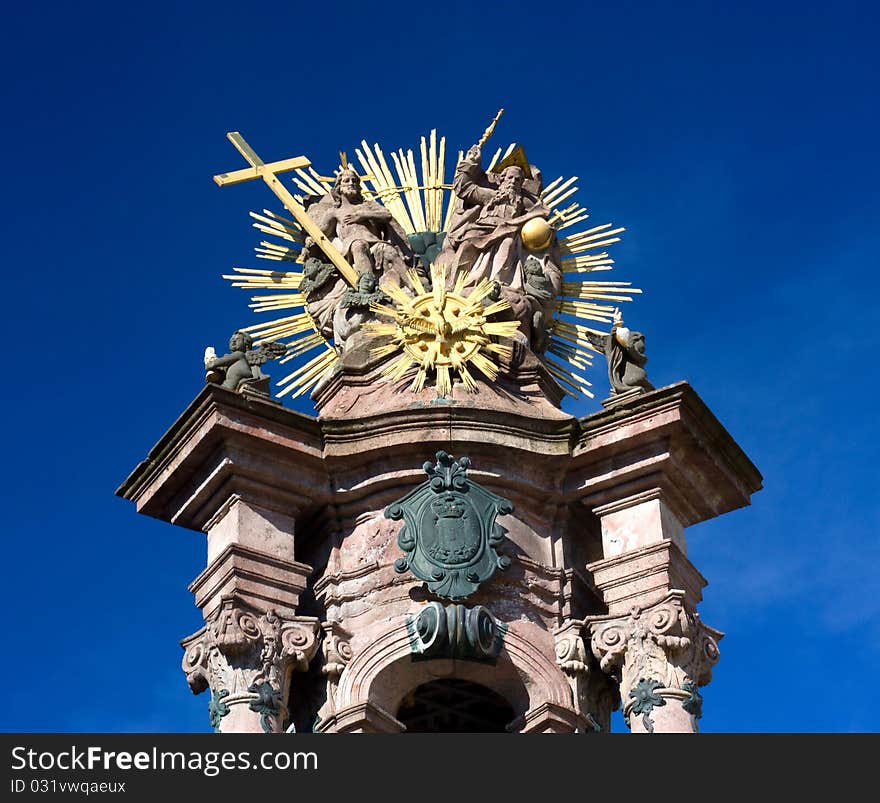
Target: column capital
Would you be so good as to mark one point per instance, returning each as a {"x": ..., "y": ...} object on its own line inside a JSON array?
[
  {"x": 593, "y": 693},
  {"x": 658, "y": 654},
  {"x": 245, "y": 659}
]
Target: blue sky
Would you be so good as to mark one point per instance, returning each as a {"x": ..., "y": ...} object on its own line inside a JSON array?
[{"x": 736, "y": 142}]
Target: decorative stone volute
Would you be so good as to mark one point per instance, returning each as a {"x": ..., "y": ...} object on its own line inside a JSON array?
[
  {"x": 593, "y": 693},
  {"x": 246, "y": 660},
  {"x": 336, "y": 654},
  {"x": 658, "y": 654}
]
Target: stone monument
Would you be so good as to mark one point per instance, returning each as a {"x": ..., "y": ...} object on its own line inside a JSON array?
[{"x": 442, "y": 547}]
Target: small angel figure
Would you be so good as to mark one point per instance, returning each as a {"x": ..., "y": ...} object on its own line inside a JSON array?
[{"x": 242, "y": 364}]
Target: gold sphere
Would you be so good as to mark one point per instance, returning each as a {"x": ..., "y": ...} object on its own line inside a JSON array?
[{"x": 536, "y": 234}]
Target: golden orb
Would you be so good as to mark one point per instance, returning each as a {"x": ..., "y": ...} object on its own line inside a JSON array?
[{"x": 536, "y": 234}]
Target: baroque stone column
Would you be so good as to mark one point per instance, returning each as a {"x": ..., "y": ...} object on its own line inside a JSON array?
[
  {"x": 652, "y": 466},
  {"x": 246, "y": 659},
  {"x": 660, "y": 656}
]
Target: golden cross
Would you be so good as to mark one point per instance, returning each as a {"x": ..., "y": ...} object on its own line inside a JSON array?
[{"x": 269, "y": 174}]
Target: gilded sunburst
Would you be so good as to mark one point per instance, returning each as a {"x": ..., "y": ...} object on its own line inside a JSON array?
[{"x": 437, "y": 333}]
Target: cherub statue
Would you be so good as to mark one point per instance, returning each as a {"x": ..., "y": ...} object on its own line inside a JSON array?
[
  {"x": 242, "y": 365},
  {"x": 625, "y": 352}
]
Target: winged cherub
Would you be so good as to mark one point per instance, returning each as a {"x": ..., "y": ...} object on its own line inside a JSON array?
[{"x": 242, "y": 363}]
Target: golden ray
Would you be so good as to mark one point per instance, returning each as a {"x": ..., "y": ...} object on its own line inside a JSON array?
[
  {"x": 383, "y": 182},
  {"x": 412, "y": 186},
  {"x": 553, "y": 195},
  {"x": 552, "y": 185},
  {"x": 453, "y": 201},
  {"x": 309, "y": 375},
  {"x": 277, "y": 228},
  {"x": 415, "y": 281},
  {"x": 305, "y": 343},
  {"x": 572, "y": 221}
]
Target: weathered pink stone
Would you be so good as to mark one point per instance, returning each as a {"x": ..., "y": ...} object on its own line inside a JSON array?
[{"x": 293, "y": 510}]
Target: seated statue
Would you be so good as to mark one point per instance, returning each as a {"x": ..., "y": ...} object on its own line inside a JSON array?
[
  {"x": 242, "y": 364},
  {"x": 372, "y": 241},
  {"x": 499, "y": 231},
  {"x": 363, "y": 231}
]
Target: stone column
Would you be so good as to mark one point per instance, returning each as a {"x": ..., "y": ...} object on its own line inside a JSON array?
[
  {"x": 246, "y": 659},
  {"x": 648, "y": 468},
  {"x": 249, "y": 595},
  {"x": 660, "y": 655},
  {"x": 652, "y": 641}
]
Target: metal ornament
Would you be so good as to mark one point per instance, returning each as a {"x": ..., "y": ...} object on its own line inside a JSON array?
[
  {"x": 454, "y": 631},
  {"x": 449, "y": 535}
]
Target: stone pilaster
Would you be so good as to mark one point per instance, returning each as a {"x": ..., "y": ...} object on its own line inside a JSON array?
[
  {"x": 250, "y": 557},
  {"x": 593, "y": 695},
  {"x": 336, "y": 654},
  {"x": 246, "y": 659},
  {"x": 660, "y": 655}
]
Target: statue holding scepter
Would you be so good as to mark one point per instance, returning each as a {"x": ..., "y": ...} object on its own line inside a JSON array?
[{"x": 625, "y": 352}]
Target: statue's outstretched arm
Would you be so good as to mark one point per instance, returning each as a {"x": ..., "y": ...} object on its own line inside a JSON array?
[{"x": 226, "y": 360}]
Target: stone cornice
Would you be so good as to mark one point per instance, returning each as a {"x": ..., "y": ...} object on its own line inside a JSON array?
[
  {"x": 226, "y": 443},
  {"x": 664, "y": 441}
]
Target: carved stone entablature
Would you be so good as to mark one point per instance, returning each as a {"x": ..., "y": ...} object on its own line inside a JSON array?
[
  {"x": 663, "y": 651},
  {"x": 454, "y": 631},
  {"x": 246, "y": 658}
]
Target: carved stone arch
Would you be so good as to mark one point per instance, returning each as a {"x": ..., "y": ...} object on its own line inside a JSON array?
[{"x": 381, "y": 674}]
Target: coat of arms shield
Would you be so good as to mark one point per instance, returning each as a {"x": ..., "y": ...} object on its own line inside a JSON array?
[{"x": 449, "y": 533}]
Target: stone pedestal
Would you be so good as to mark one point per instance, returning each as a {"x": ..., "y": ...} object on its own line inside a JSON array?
[{"x": 308, "y": 623}]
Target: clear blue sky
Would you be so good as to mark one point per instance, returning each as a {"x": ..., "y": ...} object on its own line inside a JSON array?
[{"x": 737, "y": 142}]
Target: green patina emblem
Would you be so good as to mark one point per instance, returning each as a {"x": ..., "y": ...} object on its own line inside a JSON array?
[
  {"x": 217, "y": 709},
  {"x": 266, "y": 705},
  {"x": 454, "y": 631},
  {"x": 645, "y": 699},
  {"x": 449, "y": 533},
  {"x": 693, "y": 704}
]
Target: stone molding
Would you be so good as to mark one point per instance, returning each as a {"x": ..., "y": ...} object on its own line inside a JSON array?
[
  {"x": 391, "y": 651},
  {"x": 259, "y": 580},
  {"x": 665, "y": 439},
  {"x": 364, "y": 717},
  {"x": 645, "y": 576},
  {"x": 276, "y": 458}
]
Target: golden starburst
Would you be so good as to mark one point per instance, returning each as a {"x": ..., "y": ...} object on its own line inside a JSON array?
[
  {"x": 422, "y": 200},
  {"x": 441, "y": 331}
]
